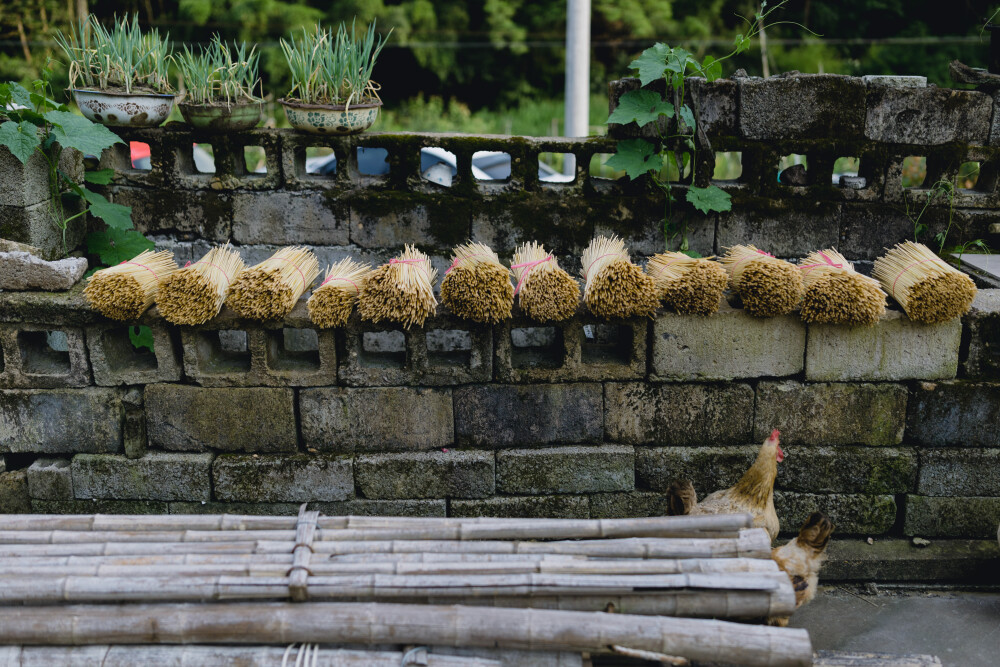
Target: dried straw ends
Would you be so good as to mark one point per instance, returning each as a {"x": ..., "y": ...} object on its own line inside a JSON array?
[
  {"x": 549, "y": 296},
  {"x": 330, "y": 307},
  {"x": 185, "y": 297},
  {"x": 481, "y": 292},
  {"x": 622, "y": 290},
  {"x": 698, "y": 291},
  {"x": 843, "y": 298},
  {"x": 939, "y": 298},
  {"x": 770, "y": 288},
  {"x": 269, "y": 290},
  {"x": 125, "y": 291},
  {"x": 400, "y": 291}
]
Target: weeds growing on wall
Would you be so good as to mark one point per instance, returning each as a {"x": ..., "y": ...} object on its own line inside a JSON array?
[
  {"x": 675, "y": 150},
  {"x": 32, "y": 122},
  {"x": 940, "y": 190}
]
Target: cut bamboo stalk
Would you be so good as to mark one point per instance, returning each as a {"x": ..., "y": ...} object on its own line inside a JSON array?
[
  {"x": 377, "y": 623},
  {"x": 716, "y": 595},
  {"x": 255, "y": 566},
  {"x": 213, "y": 656},
  {"x": 674, "y": 526},
  {"x": 751, "y": 543}
]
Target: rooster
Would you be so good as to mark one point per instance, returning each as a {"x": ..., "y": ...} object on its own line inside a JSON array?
[
  {"x": 754, "y": 493},
  {"x": 801, "y": 559}
]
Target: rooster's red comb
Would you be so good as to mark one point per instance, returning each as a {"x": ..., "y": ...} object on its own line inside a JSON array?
[{"x": 775, "y": 433}]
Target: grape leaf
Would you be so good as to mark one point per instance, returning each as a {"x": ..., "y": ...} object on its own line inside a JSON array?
[
  {"x": 677, "y": 60},
  {"x": 99, "y": 176},
  {"x": 116, "y": 246},
  {"x": 21, "y": 139},
  {"x": 652, "y": 63},
  {"x": 115, "y": 216},
  {"x": 141, "y": 337},
  {"x": 635, "y": 157},
  {"x": 72, "y": 131},
  {"x": 19, "y": 94},
  {"x": 641, "y": 106},
  {"x": 712, "y": 198},
  {"x": 711, "y": 68},
  {"x": 688, "y": 117}
]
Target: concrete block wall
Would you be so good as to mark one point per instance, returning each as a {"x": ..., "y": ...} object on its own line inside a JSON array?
[
  {"x": 891, "y": 430},
  {"x": 823, "y": 117}
]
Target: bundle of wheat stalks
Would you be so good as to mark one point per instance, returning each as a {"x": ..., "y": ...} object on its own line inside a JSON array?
[
  {"x": 477, "y": 286},
  {"x": 127, "y": 290},
  {"x": 269, "y": 290},
  {"x": 767, "y": 285},
  {"x": 614, "y": 286},
  {"x": 837, "y": 294},
  {"x": 195, "y": 293},
  {"x": 545, "y": 292},
  {"x": 928, "y": 289},
  {"x": 400, "y": 291},
  {"x": 331, "y": 303},
  {"x": 686, "y": 284}
]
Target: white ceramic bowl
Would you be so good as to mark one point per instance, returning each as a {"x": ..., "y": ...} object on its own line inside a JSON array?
[
  {"x": 120, "y": 110},
  {"x": 328, "y": 119}
]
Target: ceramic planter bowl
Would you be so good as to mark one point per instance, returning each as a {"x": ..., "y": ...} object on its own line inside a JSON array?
[
  {"x": 235, "y": 118},
  {"x": 124, "y": 110},
  {"x": 331, "y": 119}
]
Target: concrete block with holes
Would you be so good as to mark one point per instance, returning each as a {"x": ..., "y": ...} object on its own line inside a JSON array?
[
  {"x": 43, "y": 357},
  {"x": 582, "y": 348},
  {"x": 117, "y": 361},
  {"x": 447, "y": 350},
  {"x": 230, "y": 352}
]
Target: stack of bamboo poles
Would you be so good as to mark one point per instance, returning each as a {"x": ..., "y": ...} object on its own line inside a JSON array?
[{"x": 349, "y": 577}]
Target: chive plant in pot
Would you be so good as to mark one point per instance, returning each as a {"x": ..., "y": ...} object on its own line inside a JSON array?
[
  {"x": 220, "y": 87},
  {"x": 118, "y": 75},
  {"x": 332, "y": 90}
]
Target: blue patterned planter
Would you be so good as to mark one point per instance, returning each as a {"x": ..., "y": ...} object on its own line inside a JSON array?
[{"x": 331, "y": 119}]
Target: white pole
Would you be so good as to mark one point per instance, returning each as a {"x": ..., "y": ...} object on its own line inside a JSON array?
[{"x": 576, "y": 123}]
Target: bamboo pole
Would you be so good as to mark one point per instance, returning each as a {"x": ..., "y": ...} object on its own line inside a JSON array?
[
  {"x": 450, "y": 528},
  {"x": 182, "y": 566},
  {"x": 375, "y": 623},
  {"x": 211, "y": 656},
  {"x": 704, "y": 595},
  {"x": 751, "y": 543}
]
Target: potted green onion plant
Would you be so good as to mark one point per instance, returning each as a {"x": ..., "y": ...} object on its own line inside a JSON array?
[
  {"x": 332, "y": 89},
  {"x": 118, "y": 75},
  {"x": 220, "y": 87}
]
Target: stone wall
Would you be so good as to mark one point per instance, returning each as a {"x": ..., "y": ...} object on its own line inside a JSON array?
[
  {"x": 822, "y": 117},
  {"x": 891, "y": 430}
]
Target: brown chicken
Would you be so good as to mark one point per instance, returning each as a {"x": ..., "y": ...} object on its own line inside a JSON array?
[
  {"x": 754, "y": 493},
  {"x": 801, "y": 559}
]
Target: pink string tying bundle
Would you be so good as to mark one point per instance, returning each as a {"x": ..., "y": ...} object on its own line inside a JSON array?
[
  {"x": 826, "y": 262},
  {"x": 142, "y": 266},
  {"x": 531, "y": 265},
  {"x": 301, "y": 275},
  {"x": 748, "y": 257},
  {"x": 332, "y": 278},
  {"x": 900, "y": 274},
  {"x": 586, "y": 273}
]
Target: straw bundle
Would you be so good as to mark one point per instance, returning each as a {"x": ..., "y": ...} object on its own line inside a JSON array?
[
  {"x": 477, "y": 286},
  {"x": 126, "y": 291},
  {"x": 928, "y": 289},
  {"x": 331, "y": 303},
  {"x": 269, "y": 290},
  {"x": 688, "y": 285},
  {"x": 195, "y": 293},
  {"x": 546, "y": 292},
  {"x": 614, "y": 286},
  {"x": 837, "y": 294},
  {"x": 400, "y": 291},
  {"x": 767, "y": 285}
]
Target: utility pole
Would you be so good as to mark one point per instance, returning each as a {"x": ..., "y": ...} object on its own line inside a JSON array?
[{"x": 576, "y": 122}]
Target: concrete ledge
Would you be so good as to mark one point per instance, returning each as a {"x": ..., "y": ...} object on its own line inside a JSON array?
[
  {"x": 595, "y": 469},
  {"x": 155, "y": 476},
  {"x": 282, "y": 479},
  {"x": 852, "y": 514},
  {"x": 975, "y": 517},
  {"x": 894, "y": 349},
  {"x": 896, "y": 560},
  {"x": 725, "y": 346}
]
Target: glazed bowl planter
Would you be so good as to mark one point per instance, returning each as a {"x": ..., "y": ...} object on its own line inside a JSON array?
[
  {"x": 235, "y": 118},
  {"x": 124, "y": 109},
  {"x": 331, "y": 119}
]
